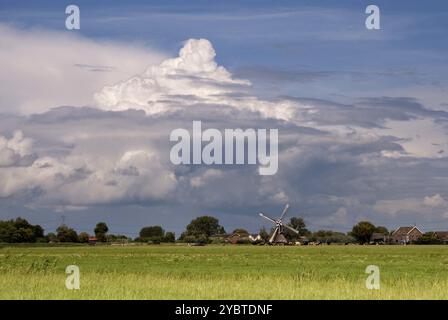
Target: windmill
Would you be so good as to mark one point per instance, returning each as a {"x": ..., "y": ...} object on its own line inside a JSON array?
[{"x": 277, "y": 235}]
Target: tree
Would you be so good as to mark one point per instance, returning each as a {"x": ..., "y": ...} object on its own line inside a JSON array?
[
  {"x": 363, "y": 231},
  {"x": 23, "y": 235},
  {"x": 38, "y": 231},
  {"x": 21, "y": 223},
  {"x": 153, "y": 234},
  {"x": 429, "y": 238},
  {"x": 299, "y": 225},
  {"x": 51, "y": 237},
  {"x": 83, "y": 237},
  {"x": 66, "y": 234},
  {"x": 152, "y": 231},
  {"x": 264, "y": 234},
  {"x": 117, "y": 238},
  {"x": 202, "y": 228},
  {"x": 381, "y": 229},
  {"x": 169, "y": 237},
  {"x": 329, "y": 236},
  {"x": 7, "y": 230},
  {"x": 20, "y": 230},
  {"x": 101, "y": 230}
]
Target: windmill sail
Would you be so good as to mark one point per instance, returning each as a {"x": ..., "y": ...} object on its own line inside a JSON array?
[
  {"x": 284, "y": 212},
  {"x": 274, "y": 235},
  {"x": 277, "y": 236},
  {"x": 290, "y": 228},
  {"x": 266, "y": 217}
]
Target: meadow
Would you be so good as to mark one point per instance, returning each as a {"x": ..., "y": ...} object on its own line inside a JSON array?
[{"x": 224, "y": 272}]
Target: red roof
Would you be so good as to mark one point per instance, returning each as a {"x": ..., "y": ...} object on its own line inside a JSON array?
[{"x": 442, "y": 235}]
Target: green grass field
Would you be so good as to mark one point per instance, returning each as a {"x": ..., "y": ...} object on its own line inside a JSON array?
[{"x": 224, "y": 272}]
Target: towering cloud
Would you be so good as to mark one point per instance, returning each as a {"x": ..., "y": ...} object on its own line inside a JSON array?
[{"x": 192, "y": 78}]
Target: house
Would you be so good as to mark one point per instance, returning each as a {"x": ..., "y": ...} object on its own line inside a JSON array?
[
  {"x": 255, "y": 238},
  {"x": 304, "y": 240},
  {"x": 378, "y": 238},
  {"x": 241, "y": 236},
  {"x": 405, "y": 235},
  {"x": 237, "y": 237},
  {"x": 92, "y": 240},
  {"x": 442, "y": 236}
]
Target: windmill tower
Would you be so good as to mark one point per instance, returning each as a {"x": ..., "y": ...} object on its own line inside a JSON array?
[{"x": 277, "y": 236}]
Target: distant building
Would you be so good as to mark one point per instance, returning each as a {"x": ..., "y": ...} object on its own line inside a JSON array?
[
  {"x": 405, "y": 235},
  {"x": 92, "y": 240},
  {"x": 303, "y": 240},
  {"x": 442, "y": 236},
  {"x": 255, "y": 237},
  {"x": 242, "y": 237},
  {"x": 378, "y": 237},
  {"x": 237, "y": 237}
]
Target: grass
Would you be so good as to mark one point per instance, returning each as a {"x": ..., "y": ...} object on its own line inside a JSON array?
[{"x": 224, "y": 272}]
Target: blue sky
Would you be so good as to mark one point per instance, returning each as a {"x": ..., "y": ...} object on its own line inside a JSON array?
[
  {"x": 302, "y": 40},
  {"x": 288, "y": 35},
  {"x": 390, "y": 83}
]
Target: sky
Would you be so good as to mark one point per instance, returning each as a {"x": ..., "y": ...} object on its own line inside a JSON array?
[{"x": 85, "y": 115}]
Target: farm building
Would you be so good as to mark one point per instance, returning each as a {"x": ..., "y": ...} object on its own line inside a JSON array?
[
  {"x": 405, "y": 235},
  {"x": 379, "y": 238},
  {"x": 442, "y": 236},
  {"x": 242, "y": 236},
  {"x": 237, "y": 237},
  {"x": 92, "y": 240},
  {"x": 255, "y": 237}
]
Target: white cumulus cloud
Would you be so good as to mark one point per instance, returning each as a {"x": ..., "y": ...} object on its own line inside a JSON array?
[
  {"x": 82, "y": 179},
  {"x": 436, "y": 201},
  {"x": 193, "y": 77},
  {"x": 16, "y": 151},
  {"x": 42, "y": 69}
]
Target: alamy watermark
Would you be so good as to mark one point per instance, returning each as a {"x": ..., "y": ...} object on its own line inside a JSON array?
[
  {"x": 233, "y": 146},
  {"x": 72, "y": 282},
  {"x": 73, "y": 20},
  {"x": 373, "y": 280},
  {"x": 373, "y": 20}
]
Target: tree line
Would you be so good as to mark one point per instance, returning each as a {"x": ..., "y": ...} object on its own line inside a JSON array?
[{"x": 204, "y": 229}]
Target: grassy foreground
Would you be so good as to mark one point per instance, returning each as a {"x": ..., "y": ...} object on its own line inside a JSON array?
[{"x": 224, "y": 272}]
